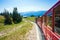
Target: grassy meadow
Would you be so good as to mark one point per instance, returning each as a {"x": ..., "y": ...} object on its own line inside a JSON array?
[
  {"x": 18, "y": 34},
  {"x": 30, "y": 19}
]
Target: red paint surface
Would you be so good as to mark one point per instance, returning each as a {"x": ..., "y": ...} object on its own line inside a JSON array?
[{"x": 49, "y": 34}]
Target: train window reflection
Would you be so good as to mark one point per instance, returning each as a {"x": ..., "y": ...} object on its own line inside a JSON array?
[
  {"x": 45, "y": 19},
  {"x": 49, "y": 18},
  {"x": 57, "y": 19}
]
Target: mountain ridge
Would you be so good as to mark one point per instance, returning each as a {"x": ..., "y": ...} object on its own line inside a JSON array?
[{"x": 35, "y": 13}]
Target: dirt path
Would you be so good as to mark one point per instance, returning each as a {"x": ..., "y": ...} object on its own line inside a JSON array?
[
  {"x": 32, "y": 35},
  {"x": 35, "y": 33}
]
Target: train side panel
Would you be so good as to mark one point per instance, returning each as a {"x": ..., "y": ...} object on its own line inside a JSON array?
[{"x": 49, "y": 35}]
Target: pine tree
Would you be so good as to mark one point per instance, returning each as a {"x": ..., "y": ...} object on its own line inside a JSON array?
[
  {"x": 16, "y": 16},
  {"x": 7, "y": 18}
]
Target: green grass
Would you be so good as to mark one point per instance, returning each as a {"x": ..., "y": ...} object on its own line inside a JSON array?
[
  {"x": 1, "y": 19},
  {"x": 30, "y": 19},
  {"x": 5, "y": 27},
  {"x": 19, "y": 34}
]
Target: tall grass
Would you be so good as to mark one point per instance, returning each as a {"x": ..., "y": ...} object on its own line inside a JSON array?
[{"x": 20, "y": 33}]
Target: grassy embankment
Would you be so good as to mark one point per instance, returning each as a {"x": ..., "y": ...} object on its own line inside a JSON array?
[
  {"x": 30, "y": 19},
  {"x": 18, "y": 34},
  {"x": 5, "y": 27}
]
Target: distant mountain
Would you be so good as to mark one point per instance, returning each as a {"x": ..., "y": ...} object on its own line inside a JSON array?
[{"x": 38, "y": 13}]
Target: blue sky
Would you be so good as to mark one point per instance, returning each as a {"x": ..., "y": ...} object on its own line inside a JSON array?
[{"x": 26, "y": 5}]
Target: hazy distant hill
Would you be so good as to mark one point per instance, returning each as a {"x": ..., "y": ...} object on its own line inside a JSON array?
[{"x": 38, "y": 13}]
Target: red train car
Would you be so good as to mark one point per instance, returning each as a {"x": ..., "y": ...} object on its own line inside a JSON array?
[{"x": 50, "y": 23}]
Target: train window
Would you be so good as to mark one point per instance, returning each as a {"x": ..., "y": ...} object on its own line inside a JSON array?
[
  {"x": 49, "y": 19},
  {"x": 41, "y": 19},
  {"x": 57, "y": 19},
  {"x": 45, "y": 20}
]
